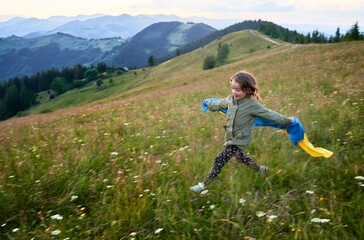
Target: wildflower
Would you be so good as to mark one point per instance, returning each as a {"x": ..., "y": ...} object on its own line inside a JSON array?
[
  {"x": 293, "y": 229},
  {"x": 3, "y": 225},
  {"x": 204, "y": 192},
  {"x": 260, "y": 214},
  {"x": 361, "y": 184},
  {"x": 242, "y": 201},
  {"x": 73, "y": 197},
  {"x": 57, "y": 217},
  {"x": 15, "y": 230},
  {"x": 133, "y": 234},
  {"x": 321, "y": 198},
  {"x": 83, "y": 208},
  {"x": 56, "y": 232},
  {"x": 82, "y": 215},
  {"x": 310, "y": 192},
  {"x": 200, "y": 210},
  {"x": 212, "y": 206},
  {"x": 114, "y": 153},
  {"x": 359, "y": 178},
  {"x": 158, "y": 230},
  {"x": 271, "y": 217},
  {"x": 319, "y": 220}
]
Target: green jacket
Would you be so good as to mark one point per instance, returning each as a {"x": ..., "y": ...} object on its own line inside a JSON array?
[{"x": 241, "y": 116}]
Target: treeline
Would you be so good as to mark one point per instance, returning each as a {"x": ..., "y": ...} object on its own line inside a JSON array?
[
  {"x": 18, "y": 94},
  {"x": 284, "y": 34}
]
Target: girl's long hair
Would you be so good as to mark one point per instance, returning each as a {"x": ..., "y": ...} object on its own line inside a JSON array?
[{"x": 247, "y": 83}]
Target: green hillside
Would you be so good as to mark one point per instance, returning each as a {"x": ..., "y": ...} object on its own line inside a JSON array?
[
  {"x": 164, "y": 74},
  {"x": 90, "y": 93},
  {"x": 121, "y": 167}
]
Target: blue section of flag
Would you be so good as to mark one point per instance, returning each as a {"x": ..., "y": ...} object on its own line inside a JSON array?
[{"x": 295, "y": 130}]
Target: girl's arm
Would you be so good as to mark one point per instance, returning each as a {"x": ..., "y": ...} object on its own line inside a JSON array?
[
  {"x": 222, "y": 104},
  {"x": 260, "y": 111}
]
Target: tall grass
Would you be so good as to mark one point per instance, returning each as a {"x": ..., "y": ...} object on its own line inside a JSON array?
[{"x": 124, "y": 171}]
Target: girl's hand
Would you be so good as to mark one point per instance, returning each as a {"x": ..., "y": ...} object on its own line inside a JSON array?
[{"x": 292, "y": 119}]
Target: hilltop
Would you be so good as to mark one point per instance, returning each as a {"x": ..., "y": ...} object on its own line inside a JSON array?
[{"x": 121, "y": 167}]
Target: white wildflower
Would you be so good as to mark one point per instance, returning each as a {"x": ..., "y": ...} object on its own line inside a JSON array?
[
  {"x": 74, "y": 197},
  {"x": 260, "y": 214},
  {"x": 320, "y": 220},
  {"x": 56, "y": 232},
  {"x": 57, "y": 217},
  {"x": 15, "y": 229},
  {"x": 242, "y": 201},
  {"x": 204, "y": 192},
  {"x": 310, "y": 192},
  {"x": 133, "y": 234},
  {"x": 212, "y": 206},
  {"x": 271, "y": 217},
  {"x": 158, "y": 230},
  {"x": 359, "y": 178},
  {"x": 114, "y": 153}
]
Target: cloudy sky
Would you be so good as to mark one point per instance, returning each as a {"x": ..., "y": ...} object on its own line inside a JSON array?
[{"x": 320, "y": 12}]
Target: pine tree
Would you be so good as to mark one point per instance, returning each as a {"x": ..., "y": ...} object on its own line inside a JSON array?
[
  {"x": 151, "y": 61},
  {"x": 222, "y": 53},
  {"x": 337, "y": 37},
  {"x": 354, "y": 32},
  {"x": 209, "y": 62},
  {"x": 12, "y": 101}
]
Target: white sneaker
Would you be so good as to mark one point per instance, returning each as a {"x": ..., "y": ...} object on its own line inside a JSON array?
[{"x": 198, "y": 188}]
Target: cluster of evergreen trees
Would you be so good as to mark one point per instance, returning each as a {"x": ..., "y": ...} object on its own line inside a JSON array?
[
  {"x": 212, "y": 61},
  {"x": 286, "y": 35},
  {"x": 18, "y": 94}
]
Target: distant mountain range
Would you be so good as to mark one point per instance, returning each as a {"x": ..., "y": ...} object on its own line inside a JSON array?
[
  {"x": 22, "y": 56},
  {"x": 96, "y": 26}
]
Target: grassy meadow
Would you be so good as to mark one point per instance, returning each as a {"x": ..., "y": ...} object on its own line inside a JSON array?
[{"x": 121, "y": 167}]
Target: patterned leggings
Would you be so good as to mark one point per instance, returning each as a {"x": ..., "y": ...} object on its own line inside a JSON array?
[{"x": 224, "y": 157}]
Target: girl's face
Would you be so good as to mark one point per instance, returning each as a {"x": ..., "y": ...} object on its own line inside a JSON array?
[{"x": 237, "y": 91}]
